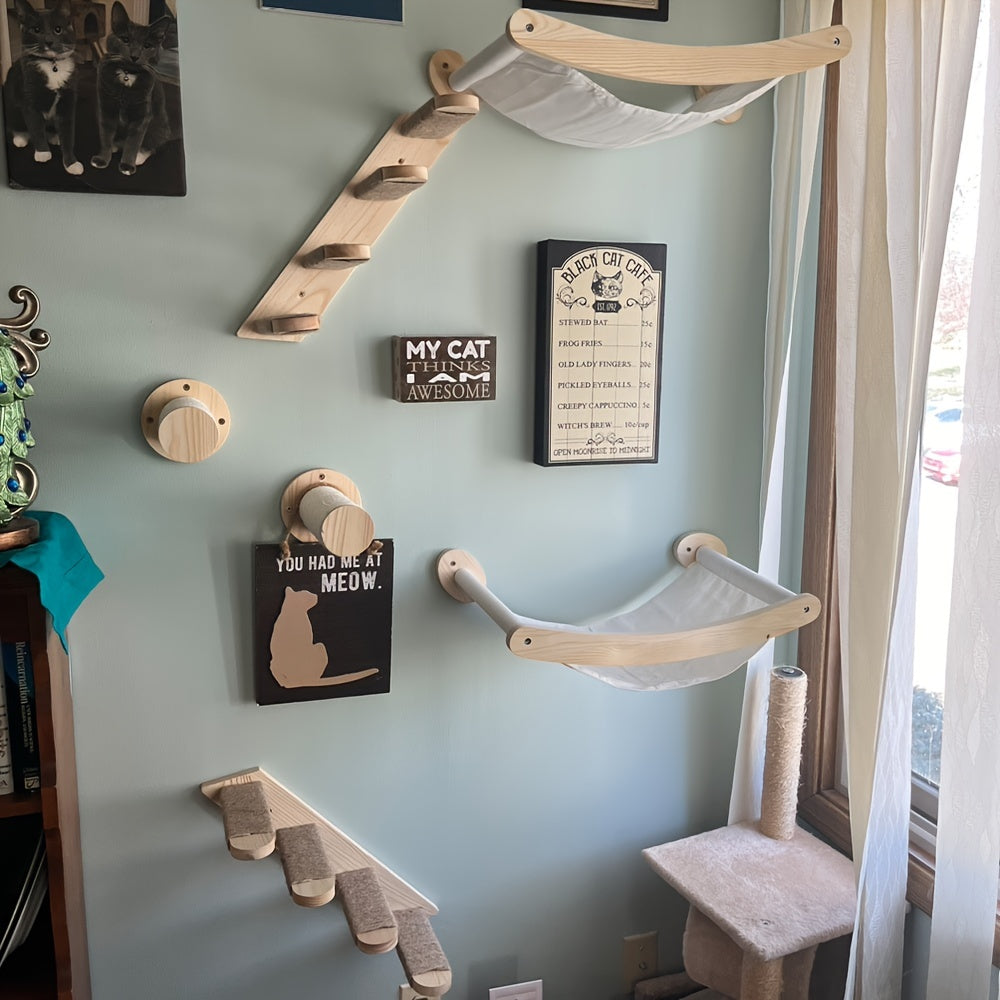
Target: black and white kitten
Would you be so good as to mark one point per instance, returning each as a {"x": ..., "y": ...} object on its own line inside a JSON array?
[
  {"x": 131, "y": 104},
  {"x": 40, "y": 91}
]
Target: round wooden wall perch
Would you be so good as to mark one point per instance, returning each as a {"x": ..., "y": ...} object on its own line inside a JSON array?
[
  {"x": 325, "y": 506},
  {"x": 185, "y": 420}
]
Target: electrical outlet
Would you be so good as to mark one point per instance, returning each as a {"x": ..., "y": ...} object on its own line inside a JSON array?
[
  {"x": 640, "y": 957},
  {"x": 409, "y": 993},
  {"x": 519, "y": 991}
]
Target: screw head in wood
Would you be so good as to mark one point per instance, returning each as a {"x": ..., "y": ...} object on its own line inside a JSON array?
[{"x": 185, "y": 420}]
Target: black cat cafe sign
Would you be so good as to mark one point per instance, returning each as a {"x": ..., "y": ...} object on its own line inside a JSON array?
[
  {"x": 600, "y": 336},
  {"x": 91, "y": 96}
]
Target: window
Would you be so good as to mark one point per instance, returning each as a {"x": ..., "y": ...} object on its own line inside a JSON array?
[{"x": 823, "y": 803}]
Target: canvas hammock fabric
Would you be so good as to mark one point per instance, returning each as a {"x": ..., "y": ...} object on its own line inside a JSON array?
[
  {"x": 702, "y": 625},
  {"x": 698, "y": 598},
  {"x": 560, "y": 103}
]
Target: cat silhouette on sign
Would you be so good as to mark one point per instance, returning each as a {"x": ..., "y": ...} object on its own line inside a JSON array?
[{"x": 297, "y": 661}]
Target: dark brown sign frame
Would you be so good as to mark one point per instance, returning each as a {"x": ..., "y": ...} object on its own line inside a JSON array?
[{"x": 599, "y": 352}]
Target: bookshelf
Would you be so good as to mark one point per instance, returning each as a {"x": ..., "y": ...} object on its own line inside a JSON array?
[{"x": 53, "y": 963}]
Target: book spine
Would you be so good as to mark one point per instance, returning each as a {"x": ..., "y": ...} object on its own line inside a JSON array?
[
  {"x": 20, "y": 682},
  {"x": 6, "y": 765}
]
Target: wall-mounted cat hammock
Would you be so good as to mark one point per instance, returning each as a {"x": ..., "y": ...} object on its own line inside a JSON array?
[
  {"x": 532, "y": 76},
  {"x": 321, "y": 862},
  {"x": 701, "y": 626}
]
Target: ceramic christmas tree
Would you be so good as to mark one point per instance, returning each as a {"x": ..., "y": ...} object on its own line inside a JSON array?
[{"x": 18, "y": 363}]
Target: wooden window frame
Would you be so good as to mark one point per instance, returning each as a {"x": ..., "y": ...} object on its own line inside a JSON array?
[{"x": 821, "y": 802}]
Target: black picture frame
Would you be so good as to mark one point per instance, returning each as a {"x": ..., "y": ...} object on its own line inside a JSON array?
[
  {"x": 344, "y": 606},
  {"x": 384, "y": 11},
  {"x": 599, "y": 352},
  {"x": 644, "y": 10}
]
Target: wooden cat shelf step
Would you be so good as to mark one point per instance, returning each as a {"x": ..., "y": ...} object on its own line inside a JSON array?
[
  {"x": 321, "y": 862},
  {"x": 397, "y": 167},
  {"x": 256, "y": 839}
]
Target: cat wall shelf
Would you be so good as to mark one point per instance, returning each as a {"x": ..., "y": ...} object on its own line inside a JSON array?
[
  {"x": 701, "y": 626},
  {"x": 320, "y": 862},
  {"x": 530, "y": 75},
  {"x": 185, "y": 420},
  {"x": 399, "y": 165},
  {"x": 325, "y": 506}
]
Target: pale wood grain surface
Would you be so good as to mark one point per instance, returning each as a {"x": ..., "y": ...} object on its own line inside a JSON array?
[
  {"x": 343, "y": 853},
  {"x": 710, "y": 65}
]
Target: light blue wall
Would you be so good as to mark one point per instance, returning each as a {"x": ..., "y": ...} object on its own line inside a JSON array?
[{"x": 516, "y": 795}]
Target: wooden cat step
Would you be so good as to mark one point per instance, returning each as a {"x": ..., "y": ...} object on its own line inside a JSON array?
[
  {"x": 246, "y": 790},
  {"x": 399, "y": 164}
]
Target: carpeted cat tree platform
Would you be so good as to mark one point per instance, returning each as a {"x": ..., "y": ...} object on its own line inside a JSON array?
[{"x": 763, "y": 895}]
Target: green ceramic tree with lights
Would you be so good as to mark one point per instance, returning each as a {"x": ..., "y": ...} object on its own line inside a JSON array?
[
  {"x": 18, "y": 363},
  {"x": 15, "y": 432}
]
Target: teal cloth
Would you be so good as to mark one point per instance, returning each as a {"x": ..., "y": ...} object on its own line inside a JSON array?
[{"x": 66, "y": 573}]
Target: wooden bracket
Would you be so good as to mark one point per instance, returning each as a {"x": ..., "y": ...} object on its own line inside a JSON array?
[
  {"x": 287, "y": 810},
  {"x": 294, "y": 304}
]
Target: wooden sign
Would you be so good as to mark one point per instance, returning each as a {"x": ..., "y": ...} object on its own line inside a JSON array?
[
  {"x": 322, "y": 623},
  {"x": 443, "y": 369},
  {"x": 600, "y": 334}
]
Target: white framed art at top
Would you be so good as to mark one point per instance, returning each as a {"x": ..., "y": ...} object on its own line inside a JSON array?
[{"x": 386, "y": 11}]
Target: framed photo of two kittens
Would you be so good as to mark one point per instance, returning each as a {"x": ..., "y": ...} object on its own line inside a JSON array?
[{"x": 91, "y": 96}]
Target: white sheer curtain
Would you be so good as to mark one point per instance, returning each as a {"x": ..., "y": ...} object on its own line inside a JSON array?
[
  {"x": 798, "y": 108},
  {"x": 902, "y": 100},
  {"x": 968, "y": 842}
]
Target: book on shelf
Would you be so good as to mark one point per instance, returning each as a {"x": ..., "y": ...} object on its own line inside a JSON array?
[
  {"x": 6, "y": 766},
  {"x": 19, "y": 681}
]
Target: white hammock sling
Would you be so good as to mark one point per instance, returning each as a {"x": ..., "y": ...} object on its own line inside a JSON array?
[
  {"x": 700, "y": 626},
  {"x": 528, "y": 75}
]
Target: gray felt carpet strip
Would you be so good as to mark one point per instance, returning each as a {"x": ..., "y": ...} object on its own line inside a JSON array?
[
  {"x": 244, "y": 809},
  {"x": 418, "y": 947},
  {"x": 364, "y": 903},
  {"x": 302, "y": 854}
]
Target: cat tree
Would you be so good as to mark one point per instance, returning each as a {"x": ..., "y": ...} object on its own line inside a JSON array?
[{"x": 763, "y": 895}]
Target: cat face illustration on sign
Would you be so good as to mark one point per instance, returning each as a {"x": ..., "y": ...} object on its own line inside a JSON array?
[{"x": 92, "y": 97}]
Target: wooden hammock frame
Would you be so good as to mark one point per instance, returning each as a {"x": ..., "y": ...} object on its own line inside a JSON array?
[{"x": 463, "y": 578}]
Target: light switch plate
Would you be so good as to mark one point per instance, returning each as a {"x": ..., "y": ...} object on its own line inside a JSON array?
[
  {"x": 639, "y": 958},
  {"x": 518, "y": 991}
]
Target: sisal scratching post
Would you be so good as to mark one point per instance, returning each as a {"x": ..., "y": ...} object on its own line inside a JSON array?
[
  {"x": 369, "y": 917},
  {"x": 246, "y": 819},
  {"x": 420, "y": 953},
  {"x": 307, "y": 869},
  {"x": 785, "y": 719}
]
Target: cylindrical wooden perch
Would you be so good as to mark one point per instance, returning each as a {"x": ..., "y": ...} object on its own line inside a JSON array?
[
  {"x": 785, "y": 719},
  {"x": 421, "y": 955},
  {"x": 441, "y": 116},
  {"x": 185, "y": 421},
  {"x": 369, "y": 917},
  {"x": 289, "y": 326},
  {"x": 325, "y": 506},
  {"x": 246, "y": 819},
  {"x": 338, "y": 256},
  {"x": 390, "y": 183},
  {"x": 344, "y": 528},
  {"x": 307, "y": 869}
]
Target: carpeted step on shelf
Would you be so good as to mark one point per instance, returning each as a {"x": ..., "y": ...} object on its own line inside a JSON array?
[{"x": 320, "y": 863}]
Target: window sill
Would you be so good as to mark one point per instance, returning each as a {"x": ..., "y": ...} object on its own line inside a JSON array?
[{"x": 828, "y": 813}]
